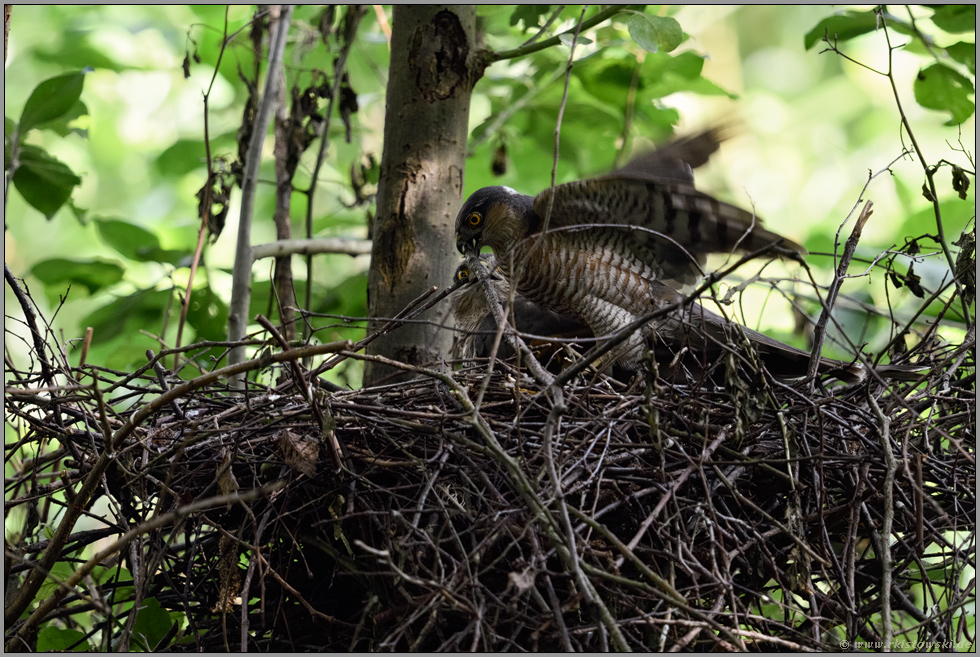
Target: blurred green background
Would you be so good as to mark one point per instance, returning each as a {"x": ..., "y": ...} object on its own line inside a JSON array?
[{"x": 808, "y": 127}]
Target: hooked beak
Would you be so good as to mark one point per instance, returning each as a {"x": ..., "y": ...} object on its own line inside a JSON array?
[{"x": 468, "y": 246}]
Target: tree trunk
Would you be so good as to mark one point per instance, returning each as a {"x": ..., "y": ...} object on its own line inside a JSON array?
[{"x": 434, "y": 65}]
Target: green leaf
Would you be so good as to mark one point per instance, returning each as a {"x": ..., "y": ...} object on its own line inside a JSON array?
[
  {"x": 51, "y": 99},
  {"x": 56, "y": 639},
  {"x": 79, "y": 212},
  {"x": 91, "y": 274},
  {"x": 567, "y": 39},
  {"x": 665, "y": 74},
  {"x": 956, "y": 18},
  {"x": 60, "y": 572},
  {"x": 965, "y": 53},
  {"x": 61, "y": 124},
  {"x": 941, "y": 88},
  {"x": 44, "y": 182},
  {"x": 152, "y": 624},
  {"x": 842, "y": 27},
  {"x": 654, "y": 33},
  {"x": 135, "y": 242}
]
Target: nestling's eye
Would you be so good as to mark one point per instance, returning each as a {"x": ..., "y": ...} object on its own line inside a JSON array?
[
  {"x": 462, "y": 275},
  {"x": 474, "y": 219}
]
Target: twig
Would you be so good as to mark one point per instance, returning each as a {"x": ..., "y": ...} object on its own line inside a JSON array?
[
  {"x": 352, "y": 247},
  {"x": 351, "y": 22},
  {"x": 18, "y": 641},
  {"x": 839, "y": 275},
  {"x": 555, "y": 40},
  {"x": 242, "y": 270},
  {"x": 25, "y": 305},
  {"x": 888, "y": 519},
  {"x": 114, "y": 440},
  {"x": 206, "y": 201}
]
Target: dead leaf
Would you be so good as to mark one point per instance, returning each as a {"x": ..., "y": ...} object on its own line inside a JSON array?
[{"x": 300, "y": 453}]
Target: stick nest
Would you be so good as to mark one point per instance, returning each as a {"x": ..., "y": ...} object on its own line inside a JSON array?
[{"x": 754, "y": 515}]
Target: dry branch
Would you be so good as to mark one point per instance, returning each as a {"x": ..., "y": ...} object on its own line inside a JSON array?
[{"x": 700, "y": 517}]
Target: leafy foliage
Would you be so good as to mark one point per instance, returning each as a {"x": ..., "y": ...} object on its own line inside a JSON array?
[
  {"x": 42, "y": 180},
  {"x": 938, "y": 86}
]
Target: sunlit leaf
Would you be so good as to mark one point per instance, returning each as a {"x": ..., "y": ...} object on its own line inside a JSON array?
[
  {"x": 51, "y": 99},
  {"x": 183, "y": 156},
  {"x": 956, "y": 18},
  {"x": 568, "y": 39},
  {"x": 126, "y": 238},
  {"x": 941, "y": 88},
  {"x": 655, "y": 33},
  {"x": 61, "y": 125},
  {"x": 965, "y": 53},
  {"x": 136, "y": 242},
  {"x": 71, "y": 53},
  {"x": 665, "y": 74},
  {"x": 841, "y": 27},
  {"x": 529, "y": 15}
]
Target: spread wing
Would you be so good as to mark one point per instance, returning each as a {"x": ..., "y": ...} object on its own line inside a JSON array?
[
  {"x": 673, "y": 227},
  {"x": 675, "y": 161}
]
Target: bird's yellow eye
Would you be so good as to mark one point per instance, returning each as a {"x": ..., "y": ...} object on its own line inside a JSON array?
[
  {"x": 474, "y": 219},
  {"x": 462, "y": 275}
]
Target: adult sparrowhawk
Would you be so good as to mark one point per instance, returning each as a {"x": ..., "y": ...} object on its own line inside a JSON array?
[{"x": 610, "y": 249}]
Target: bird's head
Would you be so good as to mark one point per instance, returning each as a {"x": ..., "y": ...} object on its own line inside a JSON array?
[
  {"x": 493, "y": 216},
  {"x": 469, "y": 303},
  {"x": 466, "y": 276}
]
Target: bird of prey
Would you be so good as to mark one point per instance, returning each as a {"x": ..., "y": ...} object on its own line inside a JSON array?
[
  {"x": 476, "y": 327},
  {"x": 607, "y": 250}
]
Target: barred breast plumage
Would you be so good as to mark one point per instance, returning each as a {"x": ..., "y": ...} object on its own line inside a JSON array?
[{"x": 475, "y": 324}]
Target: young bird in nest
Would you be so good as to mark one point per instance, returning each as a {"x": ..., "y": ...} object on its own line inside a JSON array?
[{"x": 476, "y": 327}]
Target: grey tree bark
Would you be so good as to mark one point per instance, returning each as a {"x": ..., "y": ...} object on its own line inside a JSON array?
[{"x": 434, "y": 65}]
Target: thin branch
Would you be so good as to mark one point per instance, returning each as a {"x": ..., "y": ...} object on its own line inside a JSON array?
[
  {"x": 19, "y": 640},
  {"x": 351, "y": 22},
  {"x": 929, "y": 172},
  {"x": 544, "y": 28},
  {"x": 115, "y": 440},
  {"x": 352, "y": 247},
  {"x": 839, "y": 275},
  {"x": 555, "y": 40},
  {"x": 47, "y": 374},
  {"x": 207, "y": 197},
  {"x": 242, "y": 270}
]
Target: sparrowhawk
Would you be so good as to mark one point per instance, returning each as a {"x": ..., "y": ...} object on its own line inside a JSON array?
[{"x": 610, "y": 249}]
